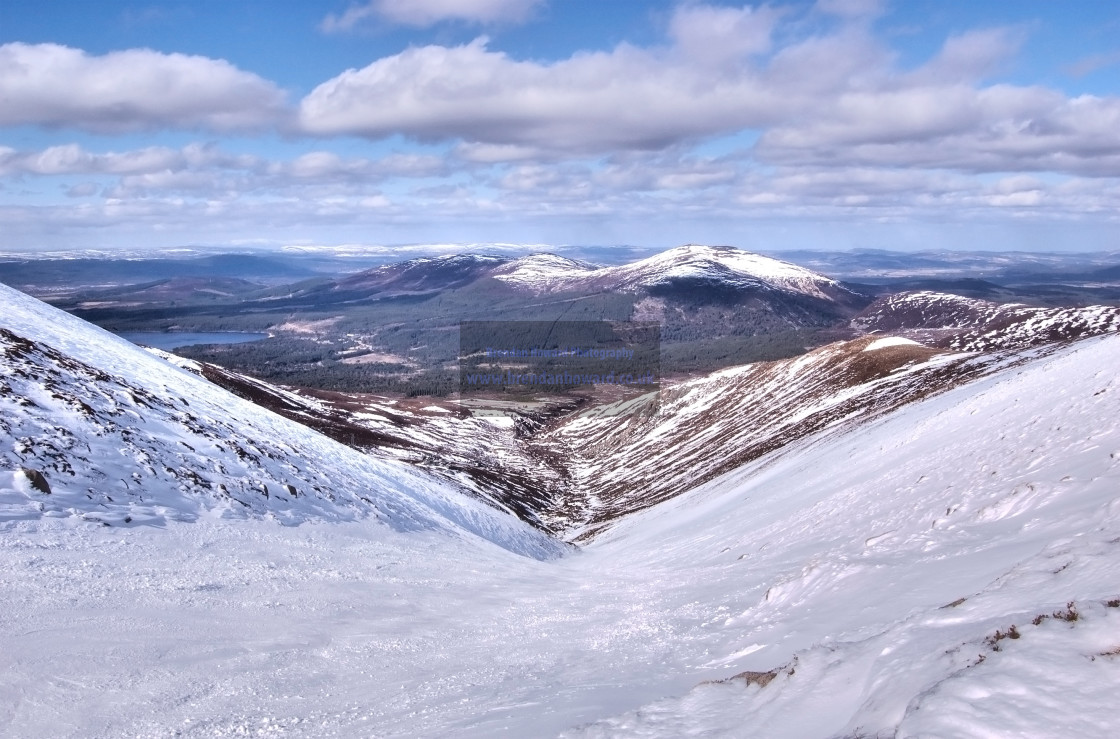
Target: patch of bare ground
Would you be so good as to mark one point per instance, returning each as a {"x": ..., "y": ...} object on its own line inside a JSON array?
[
  {"x": 378, "y": 358},
  {"x": 649, "y": 309},
  {"x": 307, "y": 327},
  {"x": 761, "y": 679}
]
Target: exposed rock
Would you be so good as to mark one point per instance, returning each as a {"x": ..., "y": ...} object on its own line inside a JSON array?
[{"x": 37, "y": 480}]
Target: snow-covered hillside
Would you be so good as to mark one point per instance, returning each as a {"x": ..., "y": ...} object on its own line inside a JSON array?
[
  {"x": 946, "y": 568},
  {"x": 125, "y": 438},
  {"x": 946, "y": 571},
  {"x": 623, "y": 462},
  {"x": 968, "y": 324},
  {"x": 497, "y": 463}
]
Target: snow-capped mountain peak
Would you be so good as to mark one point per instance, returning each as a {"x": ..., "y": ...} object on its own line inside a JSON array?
[
  {"x": 722, "y": 263},
  {"x": 692, "y": 264},
  {"x": 540, "y": 271}
]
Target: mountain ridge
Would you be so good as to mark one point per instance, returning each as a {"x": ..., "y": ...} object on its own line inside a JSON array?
[{"x": 544, "y": 273}]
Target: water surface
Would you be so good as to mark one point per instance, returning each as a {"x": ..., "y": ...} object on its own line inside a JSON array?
[{"x": 168, "y": 340}]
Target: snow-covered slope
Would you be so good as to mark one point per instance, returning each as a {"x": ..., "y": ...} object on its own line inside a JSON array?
[
  {"x": 946, "y": 571},
  {"x": 544, "y": 272},
  {"x": 125, "y": 438},
  {"x": 968, "y": 324},
  {"x": 623, "y": 462},
  {"x": 862, "y": 583},
  {"x": 500, "y": 464}
]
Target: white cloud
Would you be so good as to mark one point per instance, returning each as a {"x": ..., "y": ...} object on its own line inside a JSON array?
[
  {"x": 425, "y": 13},
  {"x": 494, "y": 153},
  {"x": 137, "y": 89},
  {"x": 717, "y": 35},
  {"x": 73, "y": 159},
  {"x": 205, "y": 170},
  {"x": 970, "y": 56},
  {"x": 595, "y": 102},
  {"x": 830, "y": 100},
  {"x": 995, "y": 129}
]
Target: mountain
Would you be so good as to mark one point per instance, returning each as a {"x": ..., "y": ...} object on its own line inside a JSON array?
[
  {"x": 968, "y": 324},
  {"x": 125, "y": 438},
  {"x": 572, "y": 470},
  {"x": 881, "y": 265},
  {"x": 160, "y": 293},
  {"x": 55, "y": 275},
  {"x": 700, "y": 429},
  {"x": 422, "y": 275},
  {"x": 721, "y": 267}
]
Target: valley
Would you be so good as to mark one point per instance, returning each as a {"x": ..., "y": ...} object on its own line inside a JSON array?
[{"x": 834, "y": 543}]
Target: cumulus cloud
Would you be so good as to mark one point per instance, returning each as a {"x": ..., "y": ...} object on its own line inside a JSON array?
[
  {"x": 137, "y": 89},
  {"x": 739, "y": 112},
  {"x": 996, "y": 129},
  {"x": 718, "y": 35},
  {"x": 206, "y": 170},
  {"x": 832, "y": 98},
  {"x": 425, "y": 13},
  {"x": 71, "y": 159},
  {"x": 594, "y": 102}
]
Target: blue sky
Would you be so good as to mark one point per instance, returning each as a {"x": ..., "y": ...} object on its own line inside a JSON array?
[{"x": 827, "y": 124}]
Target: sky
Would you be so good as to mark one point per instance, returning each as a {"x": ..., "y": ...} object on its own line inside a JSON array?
[{"x": 832, "y": 124}]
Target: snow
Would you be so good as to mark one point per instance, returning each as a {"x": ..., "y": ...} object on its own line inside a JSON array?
[
  {"x": 875, "y": 572},
  {"x": 889, "y": 341},
  {"x": 968, "y": 324},
  {"x": 540, "y": 271},
  {"x": 499, "y": 421}
]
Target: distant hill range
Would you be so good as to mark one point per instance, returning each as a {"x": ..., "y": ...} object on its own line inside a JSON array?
[{"x": 393, "y": 327}]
